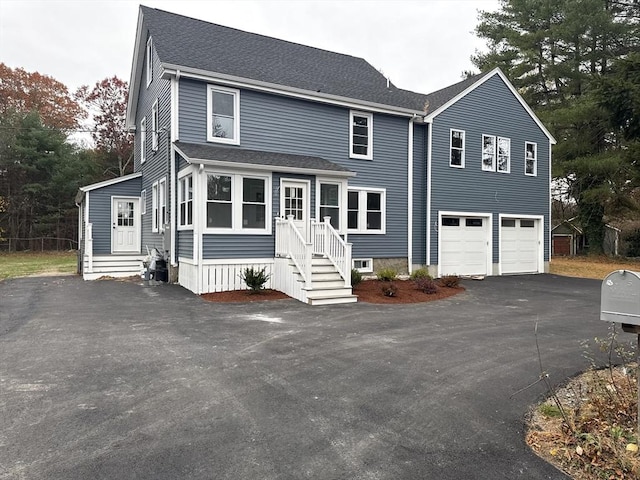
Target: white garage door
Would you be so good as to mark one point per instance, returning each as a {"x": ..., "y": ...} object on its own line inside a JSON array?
[
  {"x": 464, "y": 245},
  {"x": 519, "y": 245}
]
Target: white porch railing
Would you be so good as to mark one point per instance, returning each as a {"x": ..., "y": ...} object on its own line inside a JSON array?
[
  {"x": 291, "y": 244},
  {"x": 325, "y": 241}
]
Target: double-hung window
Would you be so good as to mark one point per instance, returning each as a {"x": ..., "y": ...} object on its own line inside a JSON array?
[
  {"x": 504, "y": 155},
  {"x": 223, "y": 106},
  {"x": 143, "y": 140},
  {"x": 185, "y": 201},
  {"x": 143, "y": 202},
  {"x": 530, "y": 158},
  {"x": 154, "y": 207},
  {"x": 154, "y": 126},
  {"x": 330, "y": 203},
  {"x": 238, "y": 203},
  {"x": 489, "y": 153},
  {"x": 361, "y": 135},
  {"x": 366, "y": 210},
  {"x": 456, "y": 148},
  {"x": 149, "y": 63},
  {"x": 162, "y": 203}
]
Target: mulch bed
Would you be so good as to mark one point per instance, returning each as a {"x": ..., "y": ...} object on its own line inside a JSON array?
[{"x": 369, "y": 291}]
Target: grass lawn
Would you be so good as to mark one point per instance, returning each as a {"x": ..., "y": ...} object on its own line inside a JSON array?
[
  {"x": 590, "y": 267},
  {"x": 21, "y": 264}
]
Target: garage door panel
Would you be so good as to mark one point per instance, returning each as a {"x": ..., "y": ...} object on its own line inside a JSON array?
[
  {"x": 464, "y": 248},
  {"x": 519, "y": 245}
]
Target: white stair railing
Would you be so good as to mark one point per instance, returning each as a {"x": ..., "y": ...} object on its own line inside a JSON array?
[
  {"x": 328, "y": 242},
  {"x": 291, "y": 244}
]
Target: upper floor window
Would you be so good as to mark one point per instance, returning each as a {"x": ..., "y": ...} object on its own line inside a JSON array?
[
  {"x": 223, "y": 106},
  {"x": 489, "y": 153},
  {"x": 504, "y": 155},
  {"x": 143, "y": 140},
  {"x": 530, "y": 158},
  {"x": 456, "y": 150},
  {"x": 361, "y": 135},
  {"x": 149, "y": 63},
  {"x": 185, "y": 201},
  {"x": 366, "y": 210},
  {"x": 154, "y": 126}
]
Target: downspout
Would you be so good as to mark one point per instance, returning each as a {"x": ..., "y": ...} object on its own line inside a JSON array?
[
  {"x": 410, "y": 196},
  {"x": 429, "y": 123},
  {"x": 172, "y": 158}
]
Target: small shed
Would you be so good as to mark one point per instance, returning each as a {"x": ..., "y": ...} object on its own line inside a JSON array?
[{"x": 568, "y": 239}]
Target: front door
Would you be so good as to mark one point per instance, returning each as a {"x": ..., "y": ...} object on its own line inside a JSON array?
[
  {"x": 294, "y": 200},
  {"x": 125, "y": 223}
]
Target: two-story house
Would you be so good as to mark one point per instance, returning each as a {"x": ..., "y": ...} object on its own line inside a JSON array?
[{"x": 254, "y": 151}]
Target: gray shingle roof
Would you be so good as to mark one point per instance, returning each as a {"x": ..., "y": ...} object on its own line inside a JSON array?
[
  {"x": 197, "y": 152},
  {"x": 193, "y": 43},
  {"x": 438, "y": 98}
]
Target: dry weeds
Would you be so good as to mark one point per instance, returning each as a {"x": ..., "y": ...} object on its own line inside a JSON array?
[{"x": 591, "y": 266}]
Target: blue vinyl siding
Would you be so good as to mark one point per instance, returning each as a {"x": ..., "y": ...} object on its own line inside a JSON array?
[
  {"x": 184, "y": 242},
  {"x": 100, "y": 211},
  {"x": 419, "y": 194},
  {"x": 274, "y": 123},
  {"x": 238, "y": 246},
  {"x": 493, "y": 110}
]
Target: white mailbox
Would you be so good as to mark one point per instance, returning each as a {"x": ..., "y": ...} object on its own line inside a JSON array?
[{"x": 620, "y": 298}]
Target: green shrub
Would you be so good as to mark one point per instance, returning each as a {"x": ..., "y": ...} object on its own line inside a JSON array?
[
  {"x": 255, "y": 278},
  {"x": 451, "y": 281},
  {"x": 387, "y": 275},
  {"x": 389, "y": 289},
  {"x": 421, "y": 273},
  {"x": 356, "y": 277},
  {"x": 426, "y": 285}
]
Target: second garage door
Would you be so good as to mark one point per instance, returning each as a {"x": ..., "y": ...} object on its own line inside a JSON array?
[
  {"x": 464, "y": 245},
  {"x": 519, "y": 245}
]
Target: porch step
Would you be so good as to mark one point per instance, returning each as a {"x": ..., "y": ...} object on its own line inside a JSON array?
[
  {"x": 112, "y": 266},
  {"x": 330, "y": 296}
]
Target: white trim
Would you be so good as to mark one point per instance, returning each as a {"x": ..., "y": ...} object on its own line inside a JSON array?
[
  {"x": 368, "y": 269},
  {"x": 540, "y": 219},
  {"x": 134, "y": 79},
  {"x": 240, "y": 82},
  {"x": 235, "y": 261},
  {"x": 464, "y": 93},
  {"x": 369, "y": 117},
  {"x": 410, "y": 197},
  {"x": 428, "y": 222},
  {"x": 233, "y": 166},
  {"x": 155, "y": 121},
  {"x": 162, "y": 202},
  {"x": 508, "y": 170},
  {"x": 181, "y": 176},
  {"x": 489, "y": 216},
  {"x": 143, "y": 140},
  {"x": 236, "y": 203},
  {"x": 175, "y": 105},
  {"x": 362, "y": 212},
  {"x": 136, "y": 218},
  {"x": 236, "y": 115},
  {"x": 172, "y": 208},
  {"x": 549, "y": 197},
  {"x": 342, "y": 200},
  {"x": 451, "y": 147},
  {"x": 113, "y": 181},
  {"x": 143, "y": 201},
  {"x": 535, "y": 159},
  {"x": 492, "y": 167},
  {"x": 154, "y": 207},
  {"x": 149, "y": 61}
]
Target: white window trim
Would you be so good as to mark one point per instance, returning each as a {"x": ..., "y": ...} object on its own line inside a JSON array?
[
  {"x": 369, "y": 117},
  {"x": 149, "y": 64},
  {"x": 535, "y": 159},
  {"x": 181, "y": 177},
  {"x": 464, "y": 141},
  {"x": 154, "y": 126},
  {"x": 495, "y": 154},
  {"x": 143, "y": 140},
  {"x": 236, "y": 115},
  {"x": 362, "y": 213},
  {"x": 154, "y": 207},
  {"x": 236, "y": 203},
  {"x": 162, "y": 202},
  {"x": 508, "y": 170},
  {"x": 368, "y": 269},
  {"x": 143, "y": 202},
  {"x": 342, "y": 201}
]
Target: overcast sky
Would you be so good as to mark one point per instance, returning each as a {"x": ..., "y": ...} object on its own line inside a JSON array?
[{"x": 420, "y": 45}]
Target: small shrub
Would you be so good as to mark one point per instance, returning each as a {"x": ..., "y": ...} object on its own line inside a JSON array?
[
  {"x": 356, "y": 277},
  {"x": 255, "y": 278},
  {"x": 387, "y": 275},
  {"x": 420, "y": 274},
  {"x": 389, "y": 289},
  {"x": 426, "y": 285},
  {"x": 450, "y": 281}
]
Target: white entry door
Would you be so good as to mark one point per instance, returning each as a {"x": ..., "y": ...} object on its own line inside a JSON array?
[
  {"x": 294, "y": 200},
  {"x": 125, "y": 220}
]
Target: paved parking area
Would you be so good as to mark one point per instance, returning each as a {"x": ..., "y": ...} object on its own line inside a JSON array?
[{"x": 107, "y": 379}]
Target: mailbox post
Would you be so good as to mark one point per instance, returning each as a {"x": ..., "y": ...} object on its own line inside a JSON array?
[{"x": 620, "y": 302}]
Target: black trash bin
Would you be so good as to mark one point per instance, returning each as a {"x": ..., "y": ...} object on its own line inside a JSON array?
[{"x": 161, "y": 273}]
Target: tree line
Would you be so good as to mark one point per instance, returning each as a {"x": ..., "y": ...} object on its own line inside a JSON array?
[{"x": 42, "y": 160}]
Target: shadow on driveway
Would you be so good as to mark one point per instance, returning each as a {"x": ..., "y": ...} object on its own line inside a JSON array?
[{"x": 108, "y": 379}]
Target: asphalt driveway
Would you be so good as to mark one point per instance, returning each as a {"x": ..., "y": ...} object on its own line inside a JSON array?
[{"x": 110, "y": 380}]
